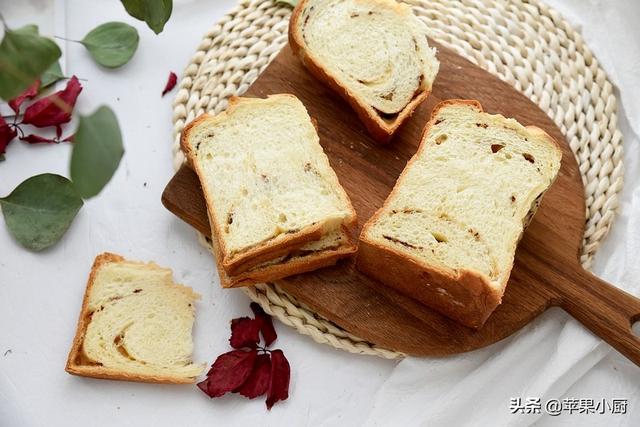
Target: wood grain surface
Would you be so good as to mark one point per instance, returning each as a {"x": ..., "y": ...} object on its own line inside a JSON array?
[{"x": 546, "y": 273}]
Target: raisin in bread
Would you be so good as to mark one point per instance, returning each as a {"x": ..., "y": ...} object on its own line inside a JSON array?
[
  {"x": 447, "y": 233},
  {"x": 135, "y": 325},
  {"x": 268, "y": 185},
  {"x": 374, "y": 53}
]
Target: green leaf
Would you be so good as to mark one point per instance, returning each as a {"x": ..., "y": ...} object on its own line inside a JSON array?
[
  {"x": 291, "y": 3},
  {"x": 40, "y": 210},
  {"x": 30, "y": 29},
  {"x": 112, "y": 44},
  {"x": 24, "y": 56},
  {"x": 97, "y": 150},
  {"x": 155, "y": 13},
  {"x": 51, "y": 75}
]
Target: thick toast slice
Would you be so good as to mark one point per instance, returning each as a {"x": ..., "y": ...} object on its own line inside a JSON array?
[
  {"x": 374, "y": 53},
  {"x": 268, "y": 185},
  {"x": 135, "y": 325},
  {"x": 447, "y": 233}
]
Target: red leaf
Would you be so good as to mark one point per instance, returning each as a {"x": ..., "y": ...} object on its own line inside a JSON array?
[
  {"x": 55, "y": 109},
  {"x": 266, "y": 324},
  {"x": 171, "y": 83},
  {"x": 7, "y": 134},
  {"x": 280, "y": 376},
  {"x": 36, "y": 139},
  {"x": 228, "y": 372},
  {"x": 258, "y": 382},
  {"x": 245, "y": 332},
  {"x": 27, "y": 94}
]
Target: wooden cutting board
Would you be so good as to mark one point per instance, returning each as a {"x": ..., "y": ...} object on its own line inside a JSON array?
[{"x": 546, "y": 272}]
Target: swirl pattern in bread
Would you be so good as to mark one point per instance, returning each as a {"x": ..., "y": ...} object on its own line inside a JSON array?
[
  {"x": 373, "y": 52},
  {"x": 135, "y": 325}
]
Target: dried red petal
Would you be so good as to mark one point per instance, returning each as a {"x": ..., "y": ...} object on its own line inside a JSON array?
[
  {"x": 266, "y": 324},
  {"x": 228, "y": 372},
  {"x": 245, "y": 332},
  {"x": 37, "y": 139},
  {"x": 258, "y": 382},
  {"x": 171, "y": 83},
  {"x": 55, "y": 109},
  {"x": 204, "y": 386},
  {"x": 27, "y": 94},
  {"x": 279, "y": 381},
  {"x": 7, "y": 134}
]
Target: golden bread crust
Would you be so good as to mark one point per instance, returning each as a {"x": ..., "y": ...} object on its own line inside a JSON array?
[
  {"x": 323, "y": 258},
  {"x": 381, "y": 130},
  {"x": 268, "y": 250},
  {"x": 463, "y": 295},
  {"x": 77, "y": 363}
]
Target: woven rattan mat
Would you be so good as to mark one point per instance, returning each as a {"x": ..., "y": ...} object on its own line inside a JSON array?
[{"x": 525, "y": 43}]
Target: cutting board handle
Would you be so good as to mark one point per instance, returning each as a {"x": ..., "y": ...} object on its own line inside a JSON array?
[{"x": 607, "y": 311}]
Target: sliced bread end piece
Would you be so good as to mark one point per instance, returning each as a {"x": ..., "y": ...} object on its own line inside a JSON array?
[
  {"x": 324, "y": 252},
  {"x": 373, "y": 53},
  {"x": 268, "y": 185},
  {"x": 447, "y": 233},
  {"x": 135, "y": 325}
]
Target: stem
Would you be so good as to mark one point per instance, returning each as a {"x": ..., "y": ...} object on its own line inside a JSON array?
[
  {"x": 263, "y": 349},
  {"x": 4, "y": 23},
  {"x": 68, "y": 40},
  {"x": 19, "y": 130}
]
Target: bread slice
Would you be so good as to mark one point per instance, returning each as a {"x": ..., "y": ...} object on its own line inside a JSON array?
[
  {"x": 310, "y": 256},
  {"x": 447, "y": 233},
  {"x": 135, "y": 325},
  {"x": 374, "y": 53},
  {"x": 268, "y": 185}
]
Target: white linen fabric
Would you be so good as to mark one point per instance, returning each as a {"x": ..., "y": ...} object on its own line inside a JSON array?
[{"x": 40, "y": 294}]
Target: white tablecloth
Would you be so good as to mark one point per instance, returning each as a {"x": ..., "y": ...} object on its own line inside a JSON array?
[{"x": 40, "y": 294}]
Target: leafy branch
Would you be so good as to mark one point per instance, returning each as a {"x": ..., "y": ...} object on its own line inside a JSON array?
[{"x": 40, "y": 209}]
